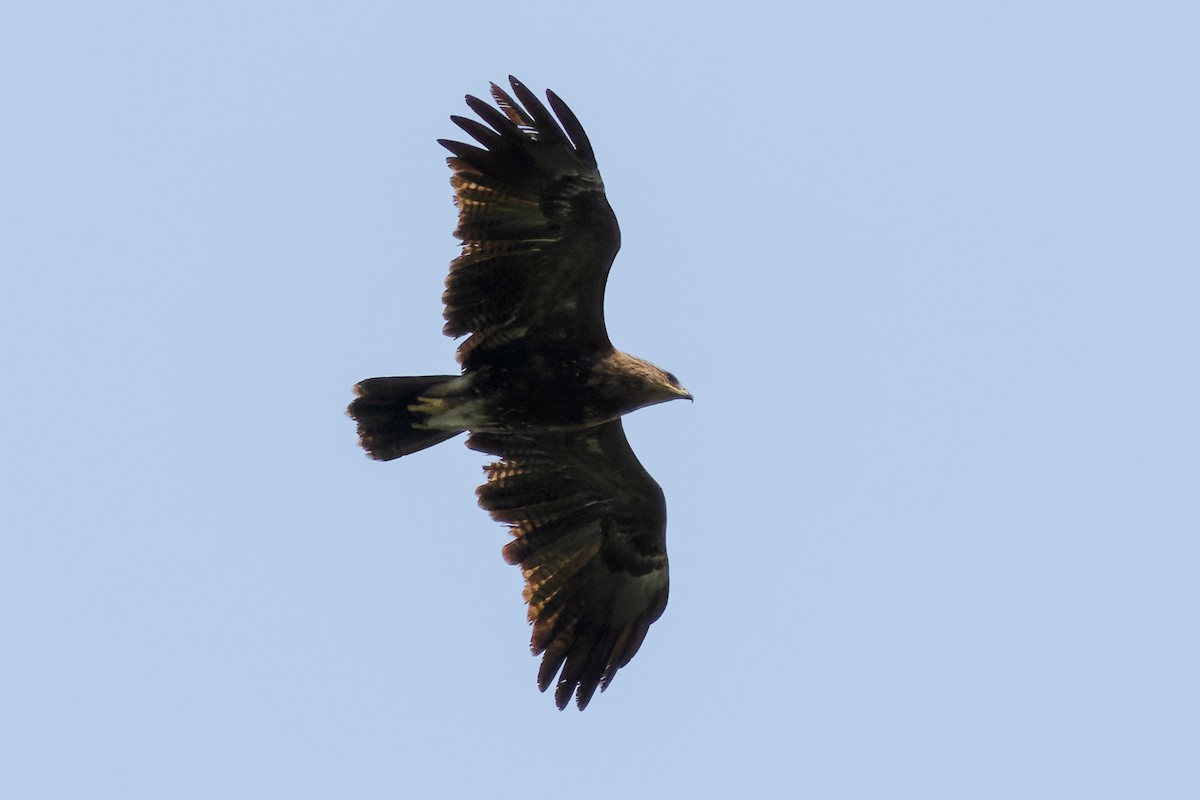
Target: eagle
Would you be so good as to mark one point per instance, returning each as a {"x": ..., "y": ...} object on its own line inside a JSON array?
[{"x": 542, "y": 389}]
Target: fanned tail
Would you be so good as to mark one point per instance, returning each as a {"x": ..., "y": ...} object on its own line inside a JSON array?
[{"x": 388, "y": 427}]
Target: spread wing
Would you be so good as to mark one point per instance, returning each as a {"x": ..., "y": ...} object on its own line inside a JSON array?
[
  {"x": 538, "y": 234},
  {"x": 590, "y": 526}
]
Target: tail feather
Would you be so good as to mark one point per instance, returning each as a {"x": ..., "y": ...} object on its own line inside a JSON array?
[{"x": 387, "y": 427}]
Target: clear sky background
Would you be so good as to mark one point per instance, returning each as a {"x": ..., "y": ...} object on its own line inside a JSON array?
[{"x": 930, "y": 269}]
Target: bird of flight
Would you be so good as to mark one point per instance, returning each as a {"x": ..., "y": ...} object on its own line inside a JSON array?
[{"x": 543, "y": 389}]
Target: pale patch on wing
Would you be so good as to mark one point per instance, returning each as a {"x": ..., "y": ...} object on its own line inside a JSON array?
[{"x": 638, "y": 593}]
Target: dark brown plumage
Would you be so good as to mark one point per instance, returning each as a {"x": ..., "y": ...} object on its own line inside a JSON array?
[
  {"x": 590, "y": 526},
  {"x": 543, "y": 389}
]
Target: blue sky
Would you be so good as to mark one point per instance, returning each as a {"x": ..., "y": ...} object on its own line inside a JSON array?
[{"x": 930, "y": 270}]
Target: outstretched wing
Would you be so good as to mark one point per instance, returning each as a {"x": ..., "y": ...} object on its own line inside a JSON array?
[
  {"x": 538, "y": 234},
  {"x": 590, "y": 526}
]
